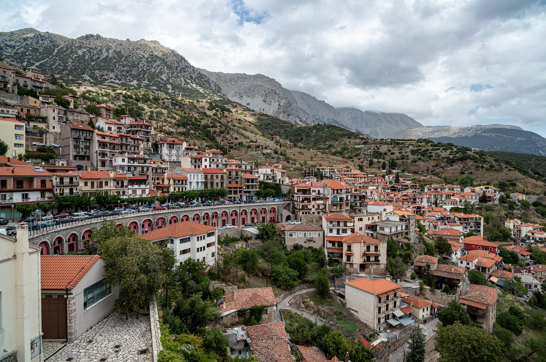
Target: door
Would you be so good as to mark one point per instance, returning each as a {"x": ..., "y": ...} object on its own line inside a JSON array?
[{"x": 54, "y": 317}]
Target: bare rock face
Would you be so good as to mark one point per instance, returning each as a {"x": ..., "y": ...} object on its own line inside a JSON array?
[
  {"x": 494, "y": 137},
  {"x": 266, "y": 95},
  {"x": 99, "y": 60}
]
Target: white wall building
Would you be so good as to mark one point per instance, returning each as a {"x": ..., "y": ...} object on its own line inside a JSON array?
[
  {"x": 20, "y": 307},
  {"x": 189, "y": 240}
]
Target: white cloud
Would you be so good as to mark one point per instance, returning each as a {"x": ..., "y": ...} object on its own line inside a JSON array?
[{"x": 390, "y": 56}]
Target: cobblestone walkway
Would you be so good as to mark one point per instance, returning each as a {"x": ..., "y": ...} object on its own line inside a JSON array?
[{"x": 113, "y": 339}]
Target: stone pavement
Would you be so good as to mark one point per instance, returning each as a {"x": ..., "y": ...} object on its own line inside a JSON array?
[{"x": 113, "y": 339}]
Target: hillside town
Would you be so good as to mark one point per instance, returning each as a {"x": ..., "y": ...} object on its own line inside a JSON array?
[{"x": 123, "y": 243}]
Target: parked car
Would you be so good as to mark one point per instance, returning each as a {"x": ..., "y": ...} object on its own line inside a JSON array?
[
  {"x": 55, "y": 145},
  {"x": 62, "y": 214},
  {"x": 158, "y": 207},
  {"x": 11, "y": 230},
  {"x": 29, "y": 220},
  {"x": 3, "y": 221},
  {"x": 45, "y": 223}
]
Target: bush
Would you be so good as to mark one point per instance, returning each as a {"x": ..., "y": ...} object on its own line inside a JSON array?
[
  {"x": 511, "y": 322},
  {"x": 413, "y": 275},
  {"x": 476, "y": 277},
  {"x": 537, "y": 320},
  {"x": 284, "y": 277},
  {"x": 505, "y": 337}
]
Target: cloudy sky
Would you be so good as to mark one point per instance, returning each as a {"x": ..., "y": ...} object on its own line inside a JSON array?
[{"x": 459, "y": 62}]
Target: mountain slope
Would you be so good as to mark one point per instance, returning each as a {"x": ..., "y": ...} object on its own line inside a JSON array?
[
  {"x": 99, "y": 60},
  {"x": 265, "y": 94},
  {"x": 490, "y": 138}
]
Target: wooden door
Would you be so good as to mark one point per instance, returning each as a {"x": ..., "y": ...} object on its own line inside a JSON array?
[{"x": 54, "y": 317}]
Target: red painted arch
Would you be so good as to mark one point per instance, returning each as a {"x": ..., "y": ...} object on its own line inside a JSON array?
[
  {"x": 133, "y": 226},
  {"x": 147, "y": 226},
  {"x": 173, "y": 220},
  {"x": 185, "y": 218},
  {"x": 196, "y": 218},
  {"x": 73, "y": 242},
  {"x": 214, "y": 219},
  {"x": 234, "y": 218},
  {"x": 272, "y": 214},
  {"x": 58, "y": 246},
  {"x": 44, "y": 248},
  {"x": 160, "y": 223},
  {"x": 224, "y": 218},
  {"x": 206, "y": 218}
]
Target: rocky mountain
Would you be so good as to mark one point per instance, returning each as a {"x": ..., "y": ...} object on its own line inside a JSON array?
[
  {"x": 100, "y": 60},
  {"x": 490, "y": 138},
  {"x": 265, "y": 94}
]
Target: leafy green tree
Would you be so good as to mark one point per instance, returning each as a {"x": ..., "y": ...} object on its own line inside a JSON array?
[
  {"x": 63, "y": 102},
  {"x": 416, "y": 346},
  {"x": 296, "y": 260},
  {"x": 190, "y": 315},
  {"x": 505, "y": 336},
  {"x": 513, "y": 320},
  {"x": 139, "y": 267},
  {"x": 429, "y": 248},
  {"x": 26, "y": 210},
  {"x": 284, "y": 277},
  {"x": 443, "y": 247},
  {"x": 190, "y": 278},
  {"x": 396, "y": 267},
  {"x": 508, "y": 256},
  {"x": 106, "y": 231},
  {"x": 321, "y": 283},
  {"x": 454, "y": 312},
  {"x": 476, "y": 277},
  {"x": 215, "y": 343},
  {"x": 248, "y": 259},
  {"x": 3, "y": 148},
  {"x": 92, "y": 109},
  {"x": 267, "y": 231},
  {"x": 334, "y": 344},
  {"x": 463, "y": 343}
]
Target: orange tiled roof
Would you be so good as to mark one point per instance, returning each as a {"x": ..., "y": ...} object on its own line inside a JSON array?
[
  {"x": 416, "y": 302},
  {"x": 359, "y": 238},
  {"x": 480, "y": 296},
  {"x": 502, "y": 274},
  {"x": 60, "y": 272},
  {"x": 376, "y": 286},
  {"x": 246, "y": 298},
  {"x": 422, "y": 260},
  {"x": 94, "y": 175},
  {"x": 178, "y": 230},
  {"x": 23, "y": 170},
  {"x": 311, "y": 354},
  {"x": 448, "y": 271},
  {"x": 478, "y": 240},
  {"x": 269, "y": 342},
  {"x": 337, "y": 216}
]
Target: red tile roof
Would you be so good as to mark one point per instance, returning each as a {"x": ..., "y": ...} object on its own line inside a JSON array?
[
  {"x": 23, "y": 170},
  {"x": 311, "y": 354},
  {"x": 480, "y": 296},
  {"x": 377, "y": 286},
  {"x": 478, "y": 240},
  {"x": 94, "y": 175},
  {"x": 178, "y": 230},
  {"x": 60, "y": 272},
  {"x": 246, "y": 298},
  {"x": 422, "y": 260},
  {"x": 269, "y": 342},
  {"x": 79, "y": 125},
  {"x": 337, "y": 216},
  {"x": 359, "y": 238},
  {"x": 416, "y": 302}
]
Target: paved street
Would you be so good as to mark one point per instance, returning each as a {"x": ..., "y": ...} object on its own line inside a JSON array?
[{"x": 113, "y": 339}]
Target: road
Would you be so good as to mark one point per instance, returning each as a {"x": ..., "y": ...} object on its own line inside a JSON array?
[{"x": 285, "y": 304}]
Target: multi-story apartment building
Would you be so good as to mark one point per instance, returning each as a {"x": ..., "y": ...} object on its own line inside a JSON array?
[
  {"x": 107, "y": 146},
  {"x": 8, "y": 111},
  {"x": 250, "y": 185},
  {"x": 336, "y": 226},
  {"x": 373, "y": 301},
  {"x": 172, "y": 150},
  {"x": 363, "y": 254},
  {"x": 66, "y": 183},
  {"x": 196, "y": 177},
  {"x": 110, "y": 125},
  {"x": 20, "y": 303},
  {"x": 142, "y": 130},
  {"x": 13, "y": 133},
  {"x": 78, "y": 145},
  {"x": 272, "y": 174},
  {"x": 94, "y": 182},
  {"x": 189, "y": 240},
  {"x": 23, "y": 184},
  {"x": 8, "y": 82},
  {"x": 213, "y": 178},
  {"x": 55, "y": 116},
  {"x": 521, "y": 230},
  {"x": 176, "y": 182},
  {"x": 216, "y": 159},
  {"x": 134, "y": 164},
  {"x": 363, "y": 220},
  {"x": 195, "y": 161}
]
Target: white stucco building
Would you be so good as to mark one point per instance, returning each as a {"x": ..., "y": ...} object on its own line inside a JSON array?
[{"x": 20, "y": 308}]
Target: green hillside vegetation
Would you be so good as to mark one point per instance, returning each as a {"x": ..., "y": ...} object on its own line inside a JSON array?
[{"x": 525, "y": 163}]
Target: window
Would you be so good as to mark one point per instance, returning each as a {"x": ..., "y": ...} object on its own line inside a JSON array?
[
  {"x": 19, "y": 145},
  {"x": 184, "y": 240},
  {"x": 18, "y": 128},
  {"x": 18, "y": 136},
  {"x": 95, "y": 293},
  {"x": 24, "y": 196}
]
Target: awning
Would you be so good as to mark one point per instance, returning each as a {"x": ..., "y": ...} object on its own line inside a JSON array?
[
  {"x": 406, "y": 321},
  {"x": 398, "y": 313},
  {"x": 393, "y": 322}
]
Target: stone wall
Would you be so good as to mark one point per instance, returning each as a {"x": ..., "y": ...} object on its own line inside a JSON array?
[{"x": 156, "y": 332}]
